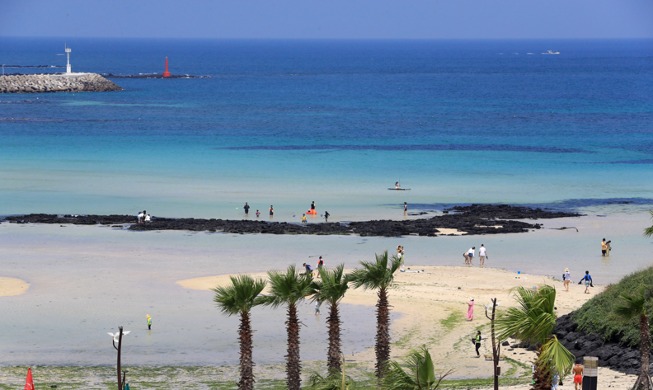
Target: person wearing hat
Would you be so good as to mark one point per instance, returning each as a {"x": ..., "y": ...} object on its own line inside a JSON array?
[
  {"x": 566, "y": 279},
  {"x": 470, "y": 309}
]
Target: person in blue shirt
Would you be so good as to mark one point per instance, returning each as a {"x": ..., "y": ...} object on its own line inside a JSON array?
[{"x": 588, "y": 282}]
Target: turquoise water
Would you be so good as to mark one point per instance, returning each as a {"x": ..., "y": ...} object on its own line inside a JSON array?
[{"x": 288, "y": 122}]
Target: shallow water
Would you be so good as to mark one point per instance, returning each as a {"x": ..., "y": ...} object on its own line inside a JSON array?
[{"x": 85, "y": 281}]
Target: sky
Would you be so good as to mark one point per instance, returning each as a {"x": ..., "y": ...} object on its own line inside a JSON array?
[{"x": 328, "y": 19}]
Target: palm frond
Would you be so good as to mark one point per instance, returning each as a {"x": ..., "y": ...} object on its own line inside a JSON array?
[
  {"x": 559, "y": 357},
  {"x": 243, "y": 294}
]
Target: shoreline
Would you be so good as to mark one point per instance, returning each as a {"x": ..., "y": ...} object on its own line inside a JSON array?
[
  {"x": 428, "y": 307},
  {"x": 458, "y": 220}
]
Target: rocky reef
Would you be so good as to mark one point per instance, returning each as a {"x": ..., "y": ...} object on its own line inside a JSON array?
[
  {"x": 475, "y": 219},
  {"x": 610, "y": 353},
  {"x": 60, "y": 82}
]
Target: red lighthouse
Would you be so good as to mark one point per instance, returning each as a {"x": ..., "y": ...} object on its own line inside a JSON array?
[{"x": 166, "y": 72}]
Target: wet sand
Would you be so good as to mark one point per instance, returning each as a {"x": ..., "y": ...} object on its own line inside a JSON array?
[{"x": 87, "y": 280}]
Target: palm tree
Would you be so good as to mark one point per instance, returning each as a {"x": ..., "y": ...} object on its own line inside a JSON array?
[
  {"x": 331, "y": 288},
  {"x": 649, "y": 230},
  {"x": 534, "y": 321},
  {"x": 289, "y": 289},
  {"x": 239, "y": 298},
  {"x": 420, "y": 373},
  {"x": 634, "y": 306},
  {"x": 379, "y": 275}
]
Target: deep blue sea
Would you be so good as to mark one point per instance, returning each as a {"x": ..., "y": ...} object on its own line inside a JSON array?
[{"x": 335, "y": 122}]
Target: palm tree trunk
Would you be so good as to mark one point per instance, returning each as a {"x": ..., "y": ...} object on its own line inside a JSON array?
[
  {"x": 335, "y": 349},
  {"x": 382, "y": 346},
  {"x": 246, "y": 363},
  {"x": 644, "y": 380},
  {"x": 542, "y": 376},
  {"x": 293, "y": 364}
]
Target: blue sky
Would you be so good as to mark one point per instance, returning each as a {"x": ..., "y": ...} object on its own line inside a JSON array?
[{"x": 329, "y": 19}]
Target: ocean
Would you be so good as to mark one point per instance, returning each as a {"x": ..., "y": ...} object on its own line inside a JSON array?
[{"x": 285, "y": 123}]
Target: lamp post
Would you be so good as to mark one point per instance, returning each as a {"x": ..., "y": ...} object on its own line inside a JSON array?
[{"x": 117, "y": 338}]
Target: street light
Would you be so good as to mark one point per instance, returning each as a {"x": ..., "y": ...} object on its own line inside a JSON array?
[{"x": 117, "y": 338}]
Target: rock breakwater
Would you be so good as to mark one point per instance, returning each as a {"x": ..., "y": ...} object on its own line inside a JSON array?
[{"x": 61, "y": 82}]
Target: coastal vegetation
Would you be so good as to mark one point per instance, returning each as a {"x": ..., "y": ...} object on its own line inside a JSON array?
[
  {"x": 598, "y": 315},
  {"x": 289, "y": 289},
  {"x": 379, "y": 275},
  {"x": 533, "y": 320},
  {"x": 331, "y": 288},
  {"x": 239, "y": 298}
]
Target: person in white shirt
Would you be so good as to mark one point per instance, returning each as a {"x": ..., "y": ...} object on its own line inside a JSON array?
[
  {"x": 482, "y": 254},
  {"x": 470, "y": 255}
]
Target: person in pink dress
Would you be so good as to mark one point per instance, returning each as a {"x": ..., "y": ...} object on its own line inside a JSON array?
[{"x": 470, "y": 309}]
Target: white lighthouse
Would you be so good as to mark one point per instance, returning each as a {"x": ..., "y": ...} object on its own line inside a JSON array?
[{"x": 68, "y": 67}]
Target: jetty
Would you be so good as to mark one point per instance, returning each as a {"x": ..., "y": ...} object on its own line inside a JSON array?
[{"x": 61, "y": 82}]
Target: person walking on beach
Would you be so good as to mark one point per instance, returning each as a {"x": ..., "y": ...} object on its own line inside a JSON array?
[
  {"x": 470, "y": 309},
  {"x": 149, "y": 322},
  {"x": 246, "y": 208},
  {"x": 566, "y": 279},
  {"x": 317, "y": 307},
  {"x": 577, "y": 370},
  {"x": 320, "y": 264},
  {"x": 477, "y": 343},
  {"x": 326, "y": 216},
  {"x": 482, "y": 255},
  {"x": 588, "y": 282}
]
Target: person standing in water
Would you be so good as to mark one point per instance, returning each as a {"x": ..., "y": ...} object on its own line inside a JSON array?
[
  {"x": 246, "y": 208},
  {"x": 326, "y": 216},
  {"x": 271, "y": 211}
]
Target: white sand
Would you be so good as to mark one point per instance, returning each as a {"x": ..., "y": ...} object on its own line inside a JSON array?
[
  {"x": 427, "y": 297},
  {"x": 12, "y": 286}
]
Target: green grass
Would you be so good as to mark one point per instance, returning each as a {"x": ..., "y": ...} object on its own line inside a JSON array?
[
  {"x": 452, "y": 321},
  {"x": 597, "y": 314}
]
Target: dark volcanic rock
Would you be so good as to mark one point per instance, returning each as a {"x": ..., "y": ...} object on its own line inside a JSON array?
[
  {"x": 611, "y": 354},
  {"x": 464, "y": 219}
]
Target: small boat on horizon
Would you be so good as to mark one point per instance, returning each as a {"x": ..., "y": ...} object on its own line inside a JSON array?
[{"x": 551, "y": 52}]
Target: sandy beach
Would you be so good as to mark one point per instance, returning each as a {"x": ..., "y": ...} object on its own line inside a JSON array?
[
  {"x": 432, "y": 303},
  {"x": 94, "y": 278},
  {"x": 12, "y": 286}
]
